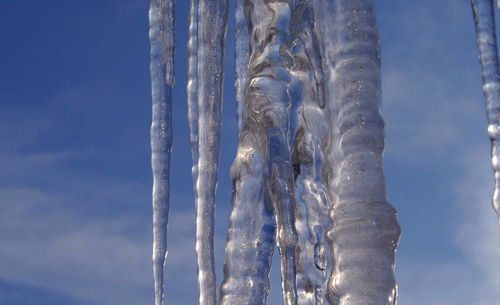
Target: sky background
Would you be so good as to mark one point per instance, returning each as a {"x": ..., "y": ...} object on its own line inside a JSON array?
[{"x": 75, "y": 178}]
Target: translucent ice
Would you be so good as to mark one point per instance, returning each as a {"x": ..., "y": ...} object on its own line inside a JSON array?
[
  {"x": 206, "y": 44},
  {"x": 364, "y": 232},
  {"x": 310, "y": 129},
  {"x": 484, "y": 19},
  {"x": 263, "y": 187},
  {"x": 161, "y": 27},
  {"x": 308, "y": 175},
  {"x": 310, "y": 145}
]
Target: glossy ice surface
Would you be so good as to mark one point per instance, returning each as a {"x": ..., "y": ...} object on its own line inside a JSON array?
[
  {"x": 364, "y": 232},
  {"x": 161, "y": 27},
  {"x": 307, "y": 177},
  {"x": 204, "y": 90},
  {"x": 484, "y": 18},
  {"x": 310, "y": 154}
]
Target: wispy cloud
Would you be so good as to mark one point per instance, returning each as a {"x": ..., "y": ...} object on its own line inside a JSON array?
[
  {"x": 98, "y": 259},
  {"x": 473, "y": 276},
  {"x": 478, "y": 234},
  {"x": 48, "y": 245}
]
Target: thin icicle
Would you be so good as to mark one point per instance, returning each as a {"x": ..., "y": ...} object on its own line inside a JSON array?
[
  {"x": 262, "y": 172},
  {"x": 365, "y": 231},
  {"x": 242, "y": 56},
  {"x": 206, "y": 48},
  {"x": 192, "y": 87},
  {"x": 484, "y": 18},
  {"x": 161, "y": 28}
]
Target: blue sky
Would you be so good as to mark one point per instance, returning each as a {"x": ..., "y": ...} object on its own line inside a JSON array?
[{"x": 75, "y": 173}]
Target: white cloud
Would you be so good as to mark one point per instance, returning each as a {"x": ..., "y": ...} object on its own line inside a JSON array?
[
  {"x": 474, "y": 277},
  {"x": 479, "y": 231},
  {"x": 47, "y": 245},
  {"x": 102, "y": 260},
  {"x": 423, "y": 116},
  {"x": 434, "y": 110}
]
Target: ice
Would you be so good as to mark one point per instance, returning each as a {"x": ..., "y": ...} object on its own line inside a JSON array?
[
  {"x": 293, "y": 163},
  {"x": 242, "y": 56},
  {"x": 161, "y": 27},
  {"x": 365, "y": 231},
  {"x": 263, "y": 191},
  {"x": 205, "y": 73},
  {"x": 311, "y": 134},
  {"x": 484, "y": 20},
  {"x": 307, "y": 177}
]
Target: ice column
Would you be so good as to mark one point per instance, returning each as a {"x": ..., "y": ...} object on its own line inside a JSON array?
[
  {"x": 310, "y": 131},
  {"x": 263, "y": 180},
  {"x": 365, "y": 232},
  {"x": 161, "y": 28},
  {"x": 206, "y": 49},
  {"x": 484, "y": 19}
]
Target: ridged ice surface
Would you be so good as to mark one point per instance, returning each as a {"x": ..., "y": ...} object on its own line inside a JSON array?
[
  {"x": 364, "y": 232},
  {"x": 309, "y": 159},
  {"x": 206, "y": 44},
  {"x": 161, "y": 27},
  {"x": 484, "y": 19}
]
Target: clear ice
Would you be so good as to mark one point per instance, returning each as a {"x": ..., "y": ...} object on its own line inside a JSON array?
[
  {"x": 263, "y": 183},
  {"x": 307, "y": 176},
  {"x": 364, "y": 233},
  {"x": 207, "y": 32},
  {"x": 484, "y": 19},
  {"x": 309, "y": 157},
  {"x": 161, "y": 38}
]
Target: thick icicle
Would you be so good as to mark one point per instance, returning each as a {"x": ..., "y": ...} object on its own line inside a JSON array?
[
  {"x": 311, "y": 131},
  {"x": 161, "y": 37},
  {"x": 262, "y": 171},
  {"x": 484, "y": 18},
  {"x": 206, "y": 48},
  {"x": 251, "y": 234},
  {"x": 365, "y": 232}
]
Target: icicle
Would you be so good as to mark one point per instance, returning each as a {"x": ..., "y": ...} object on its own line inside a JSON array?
[
  {"x": 311, "y": 131},
  {"x": 365, "y": 231},
  {"x": 192, "y": 87},
  {"x": 206, "y": 48},
  {"x": 251, "y": 233},
  {"x": 207, "y": 33},
  {"x": 484, "y": 19},
  {"x": 242, "y": 56},
  {"x": 161, "y": 28},
  {"x": 262, "y": 171}
]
